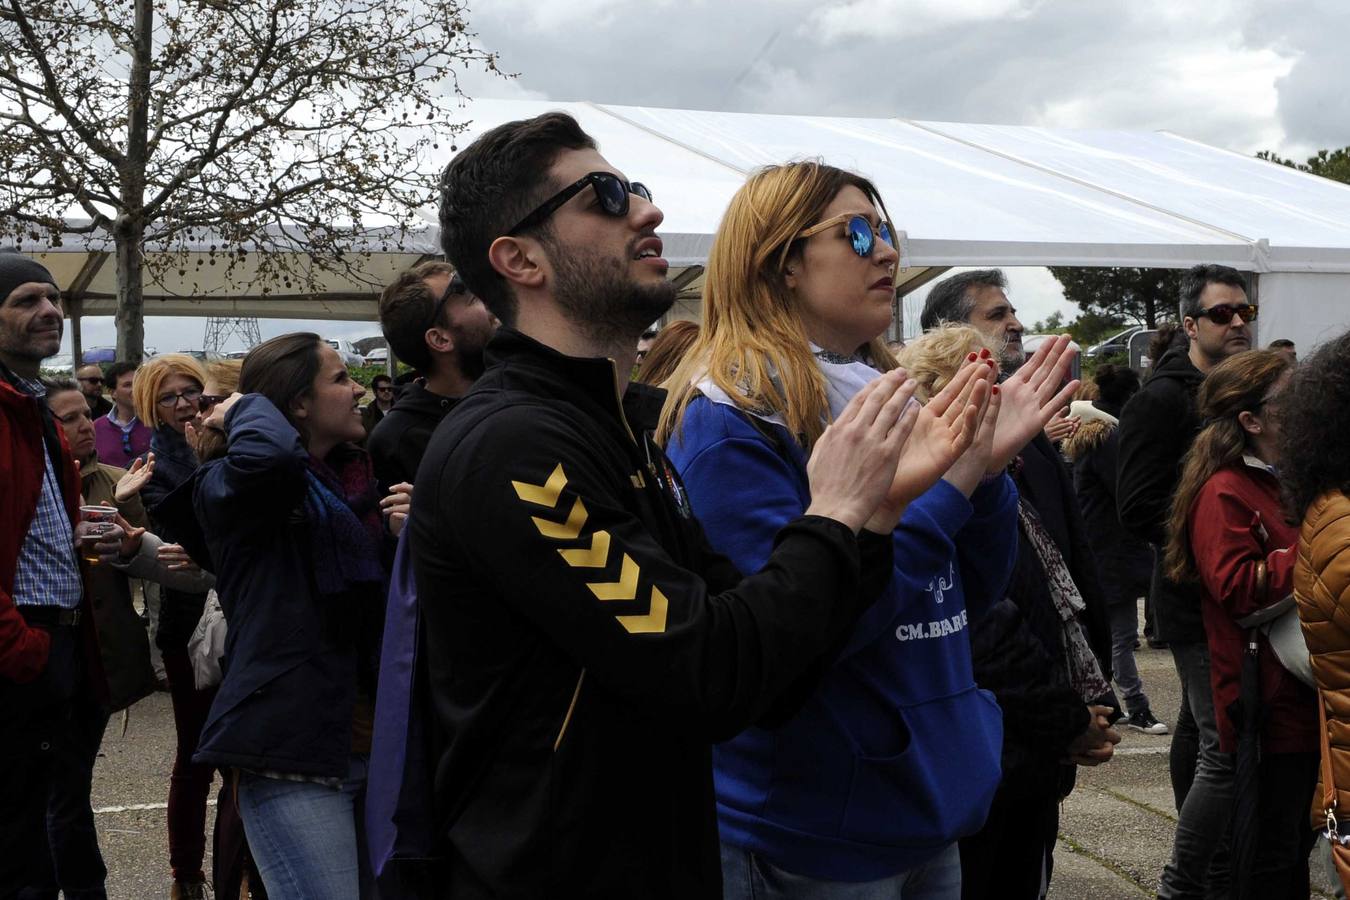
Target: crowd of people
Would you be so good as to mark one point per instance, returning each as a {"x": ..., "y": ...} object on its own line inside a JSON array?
[{"x": 762, "y": 607}]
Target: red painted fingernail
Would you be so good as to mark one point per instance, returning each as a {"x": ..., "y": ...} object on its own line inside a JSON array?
[
  {"x": 995, "y": 389},
  {"x": 971, "y": 357},
  {"x": 985, "y": 353},
  {"x": 989, "y": 363}
]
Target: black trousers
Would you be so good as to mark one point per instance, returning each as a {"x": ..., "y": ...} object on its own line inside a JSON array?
[
  {"x": 1011, "y": 857},
  {"x": 52, "y": 733},
  {"x": 1286, "y": 782}
]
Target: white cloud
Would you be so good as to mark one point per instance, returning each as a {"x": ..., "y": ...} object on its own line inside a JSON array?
[{"x": 910, "y": 18}]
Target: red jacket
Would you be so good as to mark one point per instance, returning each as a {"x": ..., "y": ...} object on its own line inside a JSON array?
[
  {"x": 23, "y": 650},
  {"x": 1236, "y": 524}
]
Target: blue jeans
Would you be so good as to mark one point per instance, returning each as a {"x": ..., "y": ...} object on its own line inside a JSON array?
[
  {"x": 748, "y": 876},
  {"x": 1199, "y": 864},
  {"x": 305, "y": 836}
]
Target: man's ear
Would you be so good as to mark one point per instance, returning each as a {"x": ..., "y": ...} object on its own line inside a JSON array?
[
  {"x": 439, "y": 340},
  {"x": 518, "y": 259},
  {"x": 1190, "y": 326}
]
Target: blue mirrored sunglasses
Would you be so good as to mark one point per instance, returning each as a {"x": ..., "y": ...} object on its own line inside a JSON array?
[{"x": 861, "y": 236}]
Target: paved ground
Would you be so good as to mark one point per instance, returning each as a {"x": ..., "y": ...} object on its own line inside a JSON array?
[{"x": 1116, "y": 828}]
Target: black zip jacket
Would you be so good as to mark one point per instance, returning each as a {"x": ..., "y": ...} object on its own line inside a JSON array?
[
  {"x": 1157, "y": 427},
  {"x": 584, "y": 645},
  {"x": 399, "y": 439}
]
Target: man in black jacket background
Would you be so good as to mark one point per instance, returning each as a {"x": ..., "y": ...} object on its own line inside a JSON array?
[
  {"x": 583, "y": 644},
  {"x": 1157, "y": 427},
  {"x": 1017, "y": 646},
  {"x": 434, "y": 323}
]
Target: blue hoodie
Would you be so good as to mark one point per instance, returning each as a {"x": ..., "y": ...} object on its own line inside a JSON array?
[{"x": 896, "y": 753}]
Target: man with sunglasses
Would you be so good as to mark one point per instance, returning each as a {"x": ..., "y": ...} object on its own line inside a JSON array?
[
  {"x": 382, "y": 387},
  {"x": 1157, "y": 427},
  {"x": 91, "y": 381},
  {"x": 120, "y": 436},
  {"x": 583, "y": 645},
  {"x": 435, "y": 324}
]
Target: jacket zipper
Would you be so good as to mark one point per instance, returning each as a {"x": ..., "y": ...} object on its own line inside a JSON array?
[
  {"x": 571, "y": 707},
  {"x": 618, "y": 398}
]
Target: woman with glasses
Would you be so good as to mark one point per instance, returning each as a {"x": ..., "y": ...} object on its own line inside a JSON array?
[
  {"x": 860, "y": 783},
  {"x": 168, "y": 391},
  {"x": 290, "y": 517},
  {"x": 1228, "y": 533}
]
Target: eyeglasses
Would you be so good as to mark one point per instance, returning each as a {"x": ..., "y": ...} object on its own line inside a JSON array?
[
  {"x": 206, "y": 401},
  {"x": 1222, "y": 313},
  {"x": 456, "y": 286},
  {"x": 611, "y": 192},
  {"x": 861, "y": 236},
  {"x": 168, "y": 401},
  {"x": 90, "y": 379}
]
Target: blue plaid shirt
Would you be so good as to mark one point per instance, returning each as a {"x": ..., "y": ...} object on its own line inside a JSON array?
[{"x": 48, "y": 572}]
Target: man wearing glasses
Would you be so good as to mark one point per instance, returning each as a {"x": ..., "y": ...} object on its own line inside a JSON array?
[
  {"x": 120, "y": 437},
  {"x": 91, "y": 382},
  {"x": 1157, "y": 427},
  {"x": 382, "y": 386},
  {"x": 434, "y": 323}
]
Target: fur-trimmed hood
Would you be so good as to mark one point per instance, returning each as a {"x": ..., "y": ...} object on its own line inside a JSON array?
[{"x": 1093, "y": 429}]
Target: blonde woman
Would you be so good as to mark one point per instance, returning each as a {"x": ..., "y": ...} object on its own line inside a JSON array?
[
  {"x": 168, "y": 391},
  {"x": 861, "y": 786}
]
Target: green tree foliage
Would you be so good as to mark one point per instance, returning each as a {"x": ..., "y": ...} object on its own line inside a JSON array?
[
  {"x": 1333, "y": 164},
  {"x": 1121, "y": 296},
  {"x": 283, "y": 125}
]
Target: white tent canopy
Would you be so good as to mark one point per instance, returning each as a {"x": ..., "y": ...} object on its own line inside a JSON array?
[{"x": 963, "y": 194}]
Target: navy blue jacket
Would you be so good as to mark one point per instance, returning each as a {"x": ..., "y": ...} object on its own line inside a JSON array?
[
  {"x": 291, "y": 655},
  {"x": 175, "y": 461}
]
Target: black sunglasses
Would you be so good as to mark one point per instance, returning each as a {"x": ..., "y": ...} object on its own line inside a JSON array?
[
  {"x": 1222, "y": 313},
  {"x": 611, "y": 192},
  {"x": 206, "y": 401},
  {"x": 454, "y": 288}
]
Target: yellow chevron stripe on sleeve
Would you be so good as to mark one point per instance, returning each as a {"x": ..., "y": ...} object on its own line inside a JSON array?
[
  {"x": 592, "y": 557},
  {"x": 654, "y": 622},
  {"x": 623, "y": 589},
  {"x": 563, "y": 531},
  {"x": 545, "y": 494}
]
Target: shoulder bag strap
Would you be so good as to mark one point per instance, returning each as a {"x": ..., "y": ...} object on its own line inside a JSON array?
[{"x": 1328, "y": 783}]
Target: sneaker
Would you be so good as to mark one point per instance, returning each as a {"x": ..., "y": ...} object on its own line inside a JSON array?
[{"x": 1142, "y": 720}]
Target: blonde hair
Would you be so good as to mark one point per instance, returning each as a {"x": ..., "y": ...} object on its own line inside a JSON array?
[
  {"x": 224, "y": 373},
  {"x": 1238, "y": 384},
  {"x": 933, "y": 358},
  {"x": 752, "y": 343},
  {"x": 150, "y": 378}
]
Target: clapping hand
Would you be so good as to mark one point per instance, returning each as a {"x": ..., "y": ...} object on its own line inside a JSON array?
[
  {"x": 945, "y": 429},
  {"x": 176, "y": 559},
  {"x": 1062, "y": 426},
  {"x": 1030, "y": 398},
  {"x": 130, "y": 484}
]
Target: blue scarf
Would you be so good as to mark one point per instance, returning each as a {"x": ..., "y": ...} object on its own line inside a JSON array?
[{"x": 345, "y": 552}]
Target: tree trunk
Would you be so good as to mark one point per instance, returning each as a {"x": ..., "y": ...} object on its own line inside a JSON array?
[
  {"x": 130, "y": 318},
  {"x": 129, "y": 228}
]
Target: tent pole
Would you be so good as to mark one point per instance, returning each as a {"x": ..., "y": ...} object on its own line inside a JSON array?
[{"x": 76, "y": 341}]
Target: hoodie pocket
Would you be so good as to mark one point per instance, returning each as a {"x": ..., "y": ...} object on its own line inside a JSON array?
[{"x": 938, "y": 787}]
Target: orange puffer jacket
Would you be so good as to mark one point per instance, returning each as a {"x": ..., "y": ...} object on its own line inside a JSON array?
[{"x": 1322, "y": 589}]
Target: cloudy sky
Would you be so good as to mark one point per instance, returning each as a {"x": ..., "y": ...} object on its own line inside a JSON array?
[{"x": 1238, "y": 74}]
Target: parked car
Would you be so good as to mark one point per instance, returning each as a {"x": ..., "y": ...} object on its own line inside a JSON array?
[
  {"x": 1031, "y": 341},
  {"x": 345, "y": 350},
  {"x": 236, "y": 354},
  {"x": 202, "y": 355},
  {"x": 1116, "y": 344},
  {"x": 378, "y": 357}
]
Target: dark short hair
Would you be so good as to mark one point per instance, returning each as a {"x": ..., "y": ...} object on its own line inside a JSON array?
[
  {"x": 117, "y": 370},
  {"x": 283, "y": 370},
  {"x": 1279, "y": 344},
  {"x": 406, "y": 305},
  {"x": 490, "y": 186},
  {"x": 950, "y": 300},
  {"x": 58, "y": 384},
  {"x": 1116, "y": 384},
  {"x": 1197, "y": 278},
  {"x": 1314, "y": 417},
  {"x": 381, "y": 379}
]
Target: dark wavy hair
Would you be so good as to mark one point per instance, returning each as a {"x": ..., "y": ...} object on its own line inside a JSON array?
[{"x": 1314, "y": 426}]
